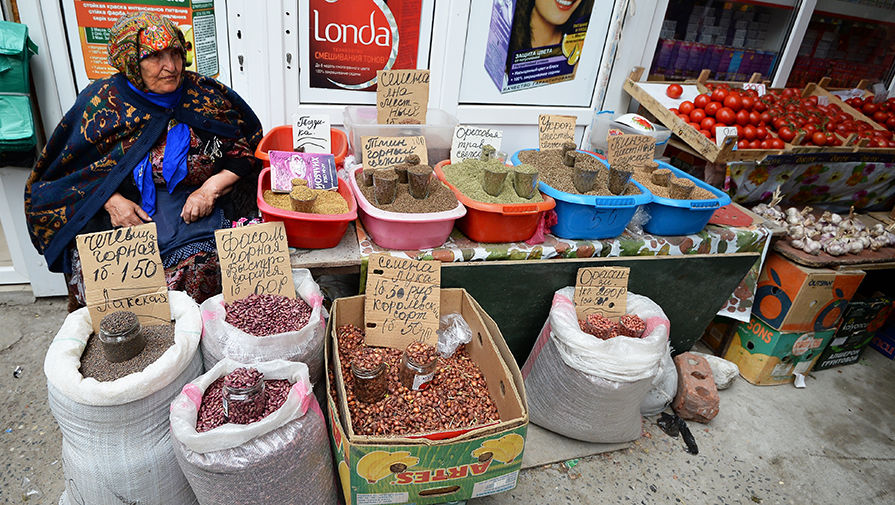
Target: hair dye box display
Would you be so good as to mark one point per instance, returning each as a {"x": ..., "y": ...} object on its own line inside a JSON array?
[
  {"x": 431, "y": 471},
  {"x": 860, "y": 323},
  {"x": 791, "y": 297},
  {"x": 518, "y": 57},
  {"x": 767, "y": 356}
]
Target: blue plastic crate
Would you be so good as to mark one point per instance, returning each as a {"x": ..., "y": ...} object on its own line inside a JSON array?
[
  {"x": 591, "y": 217},
  {"x": 682, "y": 217}
]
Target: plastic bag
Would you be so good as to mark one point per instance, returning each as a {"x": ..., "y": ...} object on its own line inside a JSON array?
[
  {"x": 452, "y": 332},
  {"x": 591, "y": 389},
  {"x": 664, "y": 388},
  {"x": 223, "y": 340},
  {"x": 283, "y": 458},
  {"x": 116, "y": 445}
]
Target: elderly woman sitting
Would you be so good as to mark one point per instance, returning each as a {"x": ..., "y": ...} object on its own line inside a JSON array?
[{"x": 150, "y": 143}]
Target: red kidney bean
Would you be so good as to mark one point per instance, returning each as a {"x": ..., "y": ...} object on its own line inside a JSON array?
[
  {"x": 211, "y": 411},
  {"x": 263, "y": 315}
]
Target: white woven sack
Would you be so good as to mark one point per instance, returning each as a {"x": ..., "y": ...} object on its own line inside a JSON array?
[
  {"x": 664, "y": 388},
  {"x": 116, "y": 445},
  {"x": 591, "y": 389},
  {"x": 281, "y": 459},
  {"x": 221, "y": 339}
]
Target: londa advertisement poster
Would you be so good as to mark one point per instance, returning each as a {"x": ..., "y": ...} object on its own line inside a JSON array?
[{"x": 351, "y": 39}]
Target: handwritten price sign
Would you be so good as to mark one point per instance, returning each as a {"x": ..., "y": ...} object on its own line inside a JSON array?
[
  {"x": 384, "y": 152},
  {"x": 402, "y": 96},
  {"x": 555, "y": 130},
  {"x": 254, "y": 260},
  {"x": 123, "y": 270},
  {"x": 602, "y": 290},
  {"x": 403, "y": 301}
]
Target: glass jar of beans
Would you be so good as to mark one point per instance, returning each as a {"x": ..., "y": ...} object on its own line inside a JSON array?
[
  {"x": 418, "y": 365},
  {"x": 121, "y": 336},
  {"x": 370, "y": 378},
  {"x": 244, "y": 396}
]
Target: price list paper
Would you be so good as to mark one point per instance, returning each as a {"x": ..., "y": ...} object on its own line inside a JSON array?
[
  {"x": 602, "y": 290},
  {"x": 254, "y": 260}
]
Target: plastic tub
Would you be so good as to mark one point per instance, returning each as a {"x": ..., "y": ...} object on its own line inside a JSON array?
[
  {"x": 400, "y": 230},
  {"x": 308, "y": 231},
  {"x": 682, "y": 217},
  {"x": 360, "y": 121},
  {"x": 604, "y": 121},
  {"x": 591, "y": 217},
  {"x": 495, "y": 222},
  {"x": 280, "y": 139}
]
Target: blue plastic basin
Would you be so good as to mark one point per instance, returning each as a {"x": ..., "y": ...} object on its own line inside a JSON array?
[{"x": 682, "y": 217}]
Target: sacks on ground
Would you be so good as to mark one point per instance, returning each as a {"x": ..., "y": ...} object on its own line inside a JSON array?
[
  {"x": 664, "y": 388},
  {"x": 281, "y": 459},
  {"x": 590, "y": 389},
  {"x": 223, "y": 340},
  {"x": 116, "y": 445}
]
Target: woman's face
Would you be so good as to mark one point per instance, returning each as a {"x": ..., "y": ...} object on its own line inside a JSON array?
[
  {"x": 161, "y": 71},
  {"x": 557, "y": 12}
]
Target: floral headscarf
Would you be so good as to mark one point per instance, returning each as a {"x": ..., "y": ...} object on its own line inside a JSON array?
[{"x": 136, "y": 36}]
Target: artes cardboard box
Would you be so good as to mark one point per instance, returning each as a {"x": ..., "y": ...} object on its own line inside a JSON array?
[
  {"x": 521, "y": 54},
  {"x": 791, "y": 297},
  {"x": 860, "y": 323},
  {"x": 479, "y": 462},
  {"x": 766, "y": 356}
]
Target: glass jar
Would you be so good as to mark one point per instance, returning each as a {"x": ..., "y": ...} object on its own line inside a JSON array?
[
  {"x": 370, "y": 381},
  {"x": 121, "y": 336},
  {"x": 415, "y": 375},
  {"x": 242, "y": 404}
]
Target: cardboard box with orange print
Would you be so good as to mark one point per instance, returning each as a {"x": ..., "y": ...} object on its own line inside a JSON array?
[
  {"x": 479, "y": 462},
  {"x": 766, "y": 356},
  {"x": 791, "y": 297}
]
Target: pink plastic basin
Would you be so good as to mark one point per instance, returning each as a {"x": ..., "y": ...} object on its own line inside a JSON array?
[{"x": 402, "y": 230}]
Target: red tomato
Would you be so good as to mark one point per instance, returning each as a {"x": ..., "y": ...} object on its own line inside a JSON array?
[
  {"x": 754, "y": 118},
  {"x": 674, "y": 91},
  {"x": 819, "y": 139},
  {"x": 749, "y": 132},
  {"x": 743, "y": 144},
  {"x": 748, "y": 102},
  {"x": 755, "y": 144},
  {"x": 719, "y": 95},
  {"x": 765, "y": 145},
  {"x": 686, "y": 107},
  {"x": 673, "y": 110},
  {"x": 740, "y": 131},
  {"x": 869, "y": 108},
  {"x": 786, "y": 134},
  {"x": 694, "y": 125},
  {"x": 764, "y": 118},
  {"x": 760, "y": 106},
  {"x": 880, "y": 116},
  {"x": 725, "y": 115},
  {"x": 707, "y": 134},
  {"x": 712, "y": 108},
  {"x": 697, "y": 115},
  {"x": 761, "y": 133},
  {"x": 742, "y": 118},
  {"x": 684, "y": 117},
  {"x": 702, "y": 100},
  {"x": 776, "y": 144},
  {"x": 708, "y": 124},
  {"x": 733, "y": 101}
]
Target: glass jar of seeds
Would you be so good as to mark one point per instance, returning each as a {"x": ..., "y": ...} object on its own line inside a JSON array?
[
  {"x": 370, "y": 377},
  {"x": 418, "y": 365},
  {"x": 121, "y": 336},
  {"x": 244, "y": 396}
]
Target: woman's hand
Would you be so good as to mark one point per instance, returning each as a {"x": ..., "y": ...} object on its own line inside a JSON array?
[
  {"x": 125, "y": 212},
  {"x": 200, "y": 203}
]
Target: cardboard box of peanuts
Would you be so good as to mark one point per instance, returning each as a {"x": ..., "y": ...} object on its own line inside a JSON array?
[{"x": 399, "y": 470}]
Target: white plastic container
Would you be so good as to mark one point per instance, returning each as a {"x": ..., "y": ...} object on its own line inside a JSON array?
[
  {"x": 605, "y": 120},
  {"x": 360, "y": 121}
]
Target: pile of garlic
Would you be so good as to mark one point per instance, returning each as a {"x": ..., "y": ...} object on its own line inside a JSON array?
[{"x": 829, "y": 233}]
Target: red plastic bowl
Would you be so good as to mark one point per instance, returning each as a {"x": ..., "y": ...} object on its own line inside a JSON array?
[
  {"x": 308, "y": 231},
  {"x": 496, "y": 222},
  {"x": 280, "y": 139}
]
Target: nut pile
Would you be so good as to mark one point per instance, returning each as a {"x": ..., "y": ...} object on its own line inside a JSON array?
[
  {"x": 263, "y": 315},
  {"x": 457, "y": 397},
  {"x": 370, "y": 376},
  {"x": 629, "y": 325},
  {"x": 211, "y": 411},
  {"x": 421, "y": 354}
]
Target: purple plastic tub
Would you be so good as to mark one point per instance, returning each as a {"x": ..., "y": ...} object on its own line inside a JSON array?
[{"x": 400, "y": 230}]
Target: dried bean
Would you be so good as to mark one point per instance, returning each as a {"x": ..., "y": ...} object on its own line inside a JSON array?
[
  {"x": 631, "y": 326},
  {"x": 598, "y": 326},
  {"x": 211, "y": 411},
  {"x": 263, "y": 315}
]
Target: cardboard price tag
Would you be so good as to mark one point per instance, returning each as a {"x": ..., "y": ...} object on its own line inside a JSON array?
[
  {"x": 254, "y": 260},
  {"x": 759, "y": 87},
  {"x": 403, "y": 301},
  {"x": 123, "y": 270},
  {"x": 468, "y": 141},
  {"x": 555, "y": 130},
  {"x": 631, "y": 150},
  {"x": 602, "y": 290},
  {"x": 402, "y": 96},
  {"x": 384, "y": 152},
  {"x": 310, "y": 133},
  {"x": 722, "y": 132}
]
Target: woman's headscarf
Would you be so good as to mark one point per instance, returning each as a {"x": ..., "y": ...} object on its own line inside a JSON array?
[{"x": 136, "y": 36}]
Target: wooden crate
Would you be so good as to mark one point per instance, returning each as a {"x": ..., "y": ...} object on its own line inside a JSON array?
[{"x": 859, "y": 144}]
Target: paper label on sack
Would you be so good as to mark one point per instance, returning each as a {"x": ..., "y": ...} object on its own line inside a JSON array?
[
  {"x": 312, "y": 132},
  {"x": 318, "y": 169},
  {"x": 759, "y": 87},
  {"x": 254, "y": 259},
  {"x": 402, "y": 96},
  {"x": 555, "y": 130},
  {"x": 630, "y": 150},
  {"x": 123, "y": 270},
  {"x": 403, "y": 301},
  {"x": 384, "y": 152},
  {"x": 468, "y": 141},
  {"x": 722, "y": 132},
  {"x": 602, "y": 290}
]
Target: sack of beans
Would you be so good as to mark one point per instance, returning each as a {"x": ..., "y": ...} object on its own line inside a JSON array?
[
  {"x": 590, "y": 388},
  {"x": 268, "y": 446},
  {"x": 116, "y": 444},
  {"x": 267, "y": 327}
]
